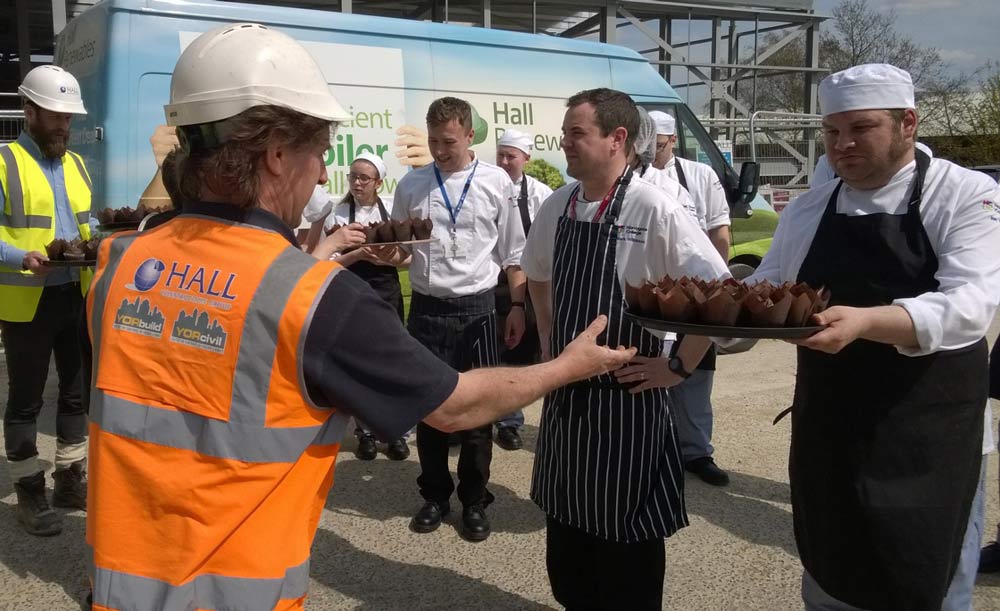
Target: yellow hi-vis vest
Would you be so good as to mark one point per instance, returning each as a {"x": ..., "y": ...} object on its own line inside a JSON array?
[{"x": 28, "y": 222}]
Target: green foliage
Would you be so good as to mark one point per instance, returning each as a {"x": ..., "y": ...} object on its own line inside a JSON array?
[{"x": 542, "y": 170}]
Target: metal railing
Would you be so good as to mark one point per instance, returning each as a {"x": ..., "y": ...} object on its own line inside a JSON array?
[{"x": 11, "y": 124}]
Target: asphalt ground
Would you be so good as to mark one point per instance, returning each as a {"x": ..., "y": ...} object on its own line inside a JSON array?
[{"x": 738, "y": 552}]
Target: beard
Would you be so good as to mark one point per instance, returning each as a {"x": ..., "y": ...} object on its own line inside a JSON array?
[{"x": 52, "y": 144}]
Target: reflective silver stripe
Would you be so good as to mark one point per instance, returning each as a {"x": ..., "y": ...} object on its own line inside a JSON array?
[
  {"x": 82, "y": 218},
  {"x": 83, "y": 170},
  {"x": 118, "y": 590},
  {"x": 15, "y": 197},
  {"x": 100, "y": 290},
  {"x": 301, "y": 350},
  {"x": 259, "y": 340},
  {"x": 16, "y": 279},
  {"x": 206, "y": 436},
  {"x": 334, "y": 430}
]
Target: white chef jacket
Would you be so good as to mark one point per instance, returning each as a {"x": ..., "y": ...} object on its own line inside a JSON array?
[
  {"x": 961, "y": 214},
  {"x": 960, "y": 211},
  {"x": 538, "y": 192},
  {"x": 659, "y": 237},
  {"x": 706, "y": 192},
  {"x": 489, "y": 232},
  {"x": 674, "y": 189}
]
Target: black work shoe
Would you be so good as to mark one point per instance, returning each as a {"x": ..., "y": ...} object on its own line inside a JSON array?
[
  {"x": 475, "y": 524},
  {"x": 397, "y": 449},
  {"x": 989, "y": 558},
  {"x": 70, "y": 491},
  {"x": 366, "y": 448},
  {"x": 429, "y": 517},
  {"x": 708, "y": 471},
  {"x": 33, "y": 511},
  {"x": 508, "y": 438}
]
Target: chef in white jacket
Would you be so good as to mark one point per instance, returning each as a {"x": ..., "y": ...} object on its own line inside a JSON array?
[{"x": 888, "y": 413}]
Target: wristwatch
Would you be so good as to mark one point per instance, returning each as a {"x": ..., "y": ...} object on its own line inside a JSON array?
[
  {"x": 517, "y": 304},
  {"x": 675, "y": 365}
]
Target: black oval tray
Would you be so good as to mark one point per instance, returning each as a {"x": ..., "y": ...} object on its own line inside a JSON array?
[{"x": 723, "y": 331}]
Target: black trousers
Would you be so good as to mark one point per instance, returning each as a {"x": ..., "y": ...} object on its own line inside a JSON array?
[
  {"x": 588, "y": 573},
  {"x": 28, "y": 347},
  {"x": 462, "y": 333}
]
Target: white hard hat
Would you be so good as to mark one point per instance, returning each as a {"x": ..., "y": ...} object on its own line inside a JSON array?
[
  {"x": 52, "y": 88},
  {"x": 238, "y": 66}
]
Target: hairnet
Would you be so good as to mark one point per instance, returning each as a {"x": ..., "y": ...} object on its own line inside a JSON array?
[{"x": 645, "y": 140}]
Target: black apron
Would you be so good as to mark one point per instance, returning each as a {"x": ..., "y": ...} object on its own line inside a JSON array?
[
  {"x": 527, "y": 352},
  {"x": 606, "y": 462},
  {"x": 384, "y": 279},
  {"x": 885, "y": 448}
]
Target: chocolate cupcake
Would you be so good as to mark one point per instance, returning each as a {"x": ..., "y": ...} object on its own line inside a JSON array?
[
  {"x": 402, "y": 230},
  {"x": 55, "y": 249},
  {"x": 371, "y": 233},
  {"x": 74, "y": 251},
  {"x": 332, "y": 230},
  {"x": 90, "y": 248},
  {"x": 422, "y": 229},
  {"x": 384, "y": 232},
  {"x": 106, "y": 216}
]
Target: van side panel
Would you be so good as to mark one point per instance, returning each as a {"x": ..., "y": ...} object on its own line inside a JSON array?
[{"x": 384, "y": 71}]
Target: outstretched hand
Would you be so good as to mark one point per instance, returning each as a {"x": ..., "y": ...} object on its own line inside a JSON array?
[{"x": 585, "y": 359}]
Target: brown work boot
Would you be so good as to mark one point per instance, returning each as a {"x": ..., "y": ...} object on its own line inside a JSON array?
[
  {"x": 71, "y": 487},
  {"x": 33, "y": 511}
]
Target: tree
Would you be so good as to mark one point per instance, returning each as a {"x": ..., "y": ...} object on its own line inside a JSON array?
[
  {"x": 859, "y": 34},
  {"x": 542, "y": 170}
]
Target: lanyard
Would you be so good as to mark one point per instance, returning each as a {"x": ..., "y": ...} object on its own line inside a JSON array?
[
  {"x": 453, "y": 212},
  {"x": 600, "y": 209}
]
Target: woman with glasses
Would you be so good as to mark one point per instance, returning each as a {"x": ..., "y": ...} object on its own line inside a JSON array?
[{"x": 361, "y": 206}]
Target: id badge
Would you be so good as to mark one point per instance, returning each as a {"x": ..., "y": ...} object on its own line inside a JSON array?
[{"x": 457, "y": 247}]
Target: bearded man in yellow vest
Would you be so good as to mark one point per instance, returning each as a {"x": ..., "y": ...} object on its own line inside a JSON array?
[
  {"x": 45, "y": 195},
  {"x": 226, "y": 361}
]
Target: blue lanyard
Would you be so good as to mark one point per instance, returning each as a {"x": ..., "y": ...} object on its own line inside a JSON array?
[{"x": 461, "y": 201}]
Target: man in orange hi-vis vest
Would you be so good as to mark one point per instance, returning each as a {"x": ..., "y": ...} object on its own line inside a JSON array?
[{"x": 225, "y": 361}]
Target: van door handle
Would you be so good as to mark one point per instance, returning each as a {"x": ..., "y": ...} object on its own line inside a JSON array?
[{"x": 99, "y": 134}]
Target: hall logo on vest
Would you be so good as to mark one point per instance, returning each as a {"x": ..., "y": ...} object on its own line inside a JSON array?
[
  {"x": 195, "y": 284},
  {"x": 146, "y": 275},
  {"x": 198, "y": 329},
  {"x": 139, "y": 317}
]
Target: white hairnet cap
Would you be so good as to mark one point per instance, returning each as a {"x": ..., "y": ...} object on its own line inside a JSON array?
[
  {"x": 866, "y": 87},
  {"x": 375, "y": 160},
  {"x": 645, "y": 140},
  {"x": 517, "y": 139},
  {"x": 666, "y": 125}
]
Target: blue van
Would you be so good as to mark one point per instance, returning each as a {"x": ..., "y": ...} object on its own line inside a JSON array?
[{"x": 384, "y": 71}]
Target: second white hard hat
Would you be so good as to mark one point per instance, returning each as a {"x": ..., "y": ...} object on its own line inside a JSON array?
[
  {"x": 52, "y": 88},
  {"x": 242, "y": 65}
]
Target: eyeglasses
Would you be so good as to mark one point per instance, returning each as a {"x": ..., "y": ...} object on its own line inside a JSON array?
[{"x": 361, "y": 179}]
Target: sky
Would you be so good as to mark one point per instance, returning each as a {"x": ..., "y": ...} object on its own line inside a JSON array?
[{"x": 966, "y": 33}]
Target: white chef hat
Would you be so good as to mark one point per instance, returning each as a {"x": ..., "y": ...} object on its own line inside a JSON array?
[
  {"x": 666, "y": 125},
  {"x": 866, "y": 87},
  {"x": 375, "y": 160},
  {"x": 517, "y": 139}
]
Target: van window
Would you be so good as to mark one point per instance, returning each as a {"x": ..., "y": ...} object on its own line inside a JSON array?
[{"x": 694, "y": 143}]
